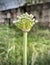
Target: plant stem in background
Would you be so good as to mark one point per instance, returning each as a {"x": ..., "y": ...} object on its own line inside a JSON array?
[{"x": 25, "y": 48}]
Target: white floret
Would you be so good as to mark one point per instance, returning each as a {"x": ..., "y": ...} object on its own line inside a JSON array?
[
  {"x": 36, "y": 21},
  {"x": 14, "y": 21}
]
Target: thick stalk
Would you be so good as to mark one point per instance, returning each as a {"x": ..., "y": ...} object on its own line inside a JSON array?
[{"x": 25, "y": 48}]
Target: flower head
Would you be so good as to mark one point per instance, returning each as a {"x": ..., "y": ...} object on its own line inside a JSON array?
[{"x": 25, "y": 21}]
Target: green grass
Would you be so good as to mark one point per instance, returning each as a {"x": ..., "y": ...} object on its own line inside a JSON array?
[{"x": 11, "y": 45}]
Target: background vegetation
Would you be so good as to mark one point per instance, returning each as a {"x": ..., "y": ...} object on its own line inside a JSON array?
[
  {"x": 36, "y": 1},
  {"x": 11, "y": 47}
]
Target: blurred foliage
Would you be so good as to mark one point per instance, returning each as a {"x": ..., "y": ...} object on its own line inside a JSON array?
[
  {"x": 11, "y": 47},
  {"x": 36, "y": 1}
]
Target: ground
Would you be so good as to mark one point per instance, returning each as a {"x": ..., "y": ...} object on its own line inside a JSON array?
[{"x": 38, "y": 42}]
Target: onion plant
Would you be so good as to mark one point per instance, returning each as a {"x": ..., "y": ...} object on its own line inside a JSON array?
[{"x": 25, "y": 23}]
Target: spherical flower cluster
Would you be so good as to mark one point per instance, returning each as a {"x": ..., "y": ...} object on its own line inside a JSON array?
[{"x": 25, "y": 22}]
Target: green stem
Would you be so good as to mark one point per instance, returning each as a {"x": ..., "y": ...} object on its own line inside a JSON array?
[{"x": 25, "y": 48}]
